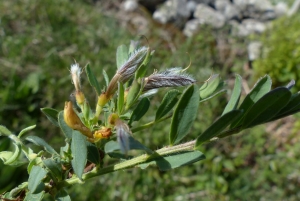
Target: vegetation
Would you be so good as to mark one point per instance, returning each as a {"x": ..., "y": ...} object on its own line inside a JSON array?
[{"x": 256, "y": 165}]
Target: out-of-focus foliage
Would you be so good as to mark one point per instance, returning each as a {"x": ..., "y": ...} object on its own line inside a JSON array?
[
  {"x": 40, "y": 39},
  {"x": 280, "y": 56}
]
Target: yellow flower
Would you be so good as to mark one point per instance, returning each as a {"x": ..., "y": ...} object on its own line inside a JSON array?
[{"x": 74, "y": 122}]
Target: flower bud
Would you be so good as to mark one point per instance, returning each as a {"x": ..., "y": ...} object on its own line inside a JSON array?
[
  {"x": 75, "y": 73},
  {"x": 127, "y": 70},
  {"x": 173, "y": 77},
  {"x": 123, "y": 133},
  {"x": 104, "y": 132},
  {"x": 79, "y": 97},
  {"x": 113, "y": 118},
  {"x": 74, "y": 122}
]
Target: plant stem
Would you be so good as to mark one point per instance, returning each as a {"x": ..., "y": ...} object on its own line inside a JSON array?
[
  {"x": 147, "y": 125},
  {"x": 189, "y": 146}
]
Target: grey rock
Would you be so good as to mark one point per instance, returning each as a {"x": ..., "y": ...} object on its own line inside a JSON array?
[
  {"x": 191, "y": 6},
  {"x": 247, "y": 27},
  {"x": 175, "y": 11},
  {"x": 281, "y": 9},
  {"x": 130, "y": 5},
  {"x": 207, "y": 2},
  {"x": 209, "y": 16},
  {"x": 191, "y": 27},
  {"x": 254, "y": 50},
  {"x": 229, "y": 10}
]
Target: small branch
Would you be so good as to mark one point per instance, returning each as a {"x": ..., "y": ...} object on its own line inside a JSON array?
[
  {"x": 189, "y": 146},
  {"x": 133, "y": 130}
]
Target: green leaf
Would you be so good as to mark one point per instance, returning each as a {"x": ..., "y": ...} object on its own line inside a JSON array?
[
  {"x": 140, "y": 110},
  {"x": 79, "y": 152},
  {"x": 214, "y": 95},
  {"x": 235, "y": 96},
  {"x": 51, "y": 114},
  {"x": 92, "y": 79},
  {"x": 267, "y": 107},
  {"x": 40, "y": 142},
  {"x": 93, "y": 153},
  {"x": 14, "y": 192},
  {"x": 261, "y": 87},
  {"x": 26, "y": 130},
  {"x": 62, "y": 195},
  {"x": 175, "y": 160},
  {"x": 15, "y": 155},
  {"x": 168, "y": 102},
  {"x": 184, "y": 114},
  {"x": 105, "y": 77},
  {"x": 122, "y": 55},
  {"x": 141, "y": 71},
  {"x": 36, "y": 197},
  {"x": 208, "y": 88},
  {"x": 293, "y": 104},
  {"x": 132, "y": 94},
  {"x": 63, "y": 126},
  {"x": 54, "y": 167},
  {"x": 37, "y": 174},
  {"x": 120, "y": 98},
  {"x": 4, "y": 131},
  {"x": 218, "y": 126}
]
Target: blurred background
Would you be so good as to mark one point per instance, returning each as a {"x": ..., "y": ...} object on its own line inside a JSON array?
[{"x": 39, "y": 40}]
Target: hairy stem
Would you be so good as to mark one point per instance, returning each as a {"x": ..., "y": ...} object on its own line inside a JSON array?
[
  {"x": 189, "y": 146},
  {"x": 147, "y": 125}
]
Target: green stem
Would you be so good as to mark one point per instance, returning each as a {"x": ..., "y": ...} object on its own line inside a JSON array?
[
  {"x": 189, "y": 146},
  {"x": 147, "y": 125}
]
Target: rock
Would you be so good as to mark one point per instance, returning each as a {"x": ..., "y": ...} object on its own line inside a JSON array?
[
  {"x": 191, "y": 27},
  {"x": 191, "y": 6},
  {"x": 281, "y": 9},
  {"x": 254, "y": 26},
  {"x": 229, "y": 10},
  {"x": 175, "y": 11},
  {"x": 209, "y": 16},
  {"x": 130, "y": 5},
  {"x": 254, "y": 50},
  {"x": 247, "y": 27}
]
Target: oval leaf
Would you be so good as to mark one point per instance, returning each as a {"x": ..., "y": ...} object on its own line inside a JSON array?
[
  {"x": 51, "y": 114},
  {"x": 209, "y": 87},
  {"x": 235, "y": 96},
  {"x": 120, "y": 98},
  {"x": 218, "y": 126},
  {"x": 261, "y": 87},
  {"x": 34, "y": 196},
  {"x": 14, "y": 156},
  {"x": 93, "y": 153},
  {"x": 62, "y": 195},
  {"x": 26, "y": 130},
  {"x": 37, "y": 174},
  {"x": 63, "y": 126},
  {"x": 175, "y": 161},
  {"x": 122, "y": 55},
  {"x": 40, "y": 142},
  {"x": 168, "y": 102},
  {"x": 92, "y": 79},
  {"x": 4, "y": 131},
  {"x": 105, "y": 77},
  {"x": 267, "y": 107},
  {"x": 184, "y": 114},
  {"x": 140, "y": 110},
  {"x": 79, "y": 153},
  {"x": 292, "y": 106},
  {"x": 54, "y": 168}
]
